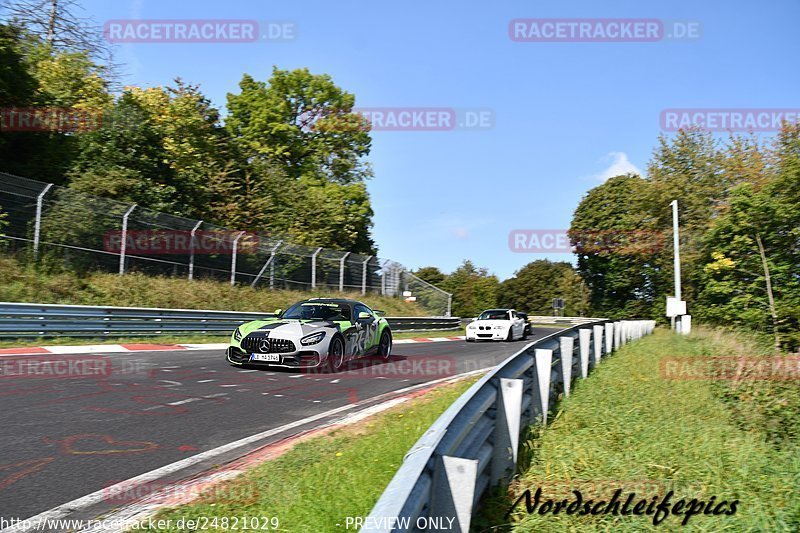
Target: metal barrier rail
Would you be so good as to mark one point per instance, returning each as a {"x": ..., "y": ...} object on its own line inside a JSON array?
[
  {"x": 18, "y": 320},
  {"x": 474, "y": 444}
]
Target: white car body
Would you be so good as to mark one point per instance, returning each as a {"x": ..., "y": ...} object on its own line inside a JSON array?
[{"x": 495, "y": 325}]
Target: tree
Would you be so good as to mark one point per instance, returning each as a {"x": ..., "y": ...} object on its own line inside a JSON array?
[
  {"x": 431, "y": 274},
  {"x": 303, "y": 123},
  {"x": 473, "y": 289},
  {"x": 533, "y": 287},
  {"x": 618, "y": 247}
]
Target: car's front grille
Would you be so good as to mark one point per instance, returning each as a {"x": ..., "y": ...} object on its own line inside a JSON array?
[{"x": 267, "y": 345}]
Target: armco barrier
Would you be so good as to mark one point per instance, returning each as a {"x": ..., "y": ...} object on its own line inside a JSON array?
[
  {"x": 18, "y": 320},
  {"x": 474, "y": 444}
]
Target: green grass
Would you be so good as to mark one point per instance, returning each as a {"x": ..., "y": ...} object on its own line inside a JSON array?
[
  {"x": 628, "y": 427},
  {"x": 321, "y": 481},
  {"x": 21, "y": 283}
]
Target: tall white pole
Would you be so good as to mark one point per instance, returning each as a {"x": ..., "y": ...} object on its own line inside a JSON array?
[
  {"x": 677, "y": 258},
  {"x": 677, "y": 247}
]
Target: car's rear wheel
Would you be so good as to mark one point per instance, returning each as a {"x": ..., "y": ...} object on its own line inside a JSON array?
[
  {"x": 335, "y": 360},
  {"x": 385, "y": 345}
]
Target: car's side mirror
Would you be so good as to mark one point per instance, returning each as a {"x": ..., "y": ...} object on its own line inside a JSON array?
[
  {"x": 363, "y": 315},
  {"x": 473, "y": 319},
  {"x": 378, "y": 312},
  {"x": 278, "y": 312}
]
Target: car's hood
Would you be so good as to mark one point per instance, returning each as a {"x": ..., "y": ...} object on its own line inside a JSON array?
[
  {"x": 491, "y": 323},
  {"x": 286, "y": 328}
]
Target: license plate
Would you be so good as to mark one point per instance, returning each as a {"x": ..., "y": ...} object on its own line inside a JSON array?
[{"x": 267, "y": 357}]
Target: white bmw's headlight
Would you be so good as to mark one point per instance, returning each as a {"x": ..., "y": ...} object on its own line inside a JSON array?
[
  {"x": 500, "y": 327},
  {"x": 472, "y": 327},
  {"x": 237, "y": 335},
  {"x": 314, "y": 338}
]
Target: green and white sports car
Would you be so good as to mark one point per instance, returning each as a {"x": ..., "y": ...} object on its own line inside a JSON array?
[{"x": 316, "y": 333}]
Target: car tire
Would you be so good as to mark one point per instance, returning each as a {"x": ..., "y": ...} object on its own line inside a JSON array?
[
  {"x": 335, "y": 360},
  {"x": 470, "y": 340},
  {"x": 385, "y": 345},
  {"x": 510, "y": 337}
]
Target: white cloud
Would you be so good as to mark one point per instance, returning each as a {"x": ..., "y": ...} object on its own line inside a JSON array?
[{"x": 618, "y": 164}]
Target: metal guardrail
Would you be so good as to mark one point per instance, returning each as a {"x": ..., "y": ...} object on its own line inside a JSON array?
[
  {"x": 19, "y": 320},
  {"x": 474, "y": 444}
]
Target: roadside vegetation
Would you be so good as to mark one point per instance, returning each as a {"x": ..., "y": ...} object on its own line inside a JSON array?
[
  {"x": 635, "y": 426},
  {"x": 25, "y": 283},
  {"x": 321, "y": 481}
]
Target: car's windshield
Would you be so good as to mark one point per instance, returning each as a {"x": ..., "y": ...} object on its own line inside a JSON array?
[
  {"x": 318, "y": 311},
  {"x": 494, "y": 314}
]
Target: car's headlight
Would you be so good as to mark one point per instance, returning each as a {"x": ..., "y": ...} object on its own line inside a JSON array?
[
  {"x": 237, "y": 335},
  {"x": 472, "y": 326},
  {"x": 314, "y": 338},
  {"x": 500, "y": 327}
]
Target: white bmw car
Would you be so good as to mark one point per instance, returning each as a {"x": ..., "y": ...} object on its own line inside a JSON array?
[{"x": 497, "y": 325}]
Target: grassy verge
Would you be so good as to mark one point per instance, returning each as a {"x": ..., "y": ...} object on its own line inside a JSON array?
[
  {"x": 21, "y": 283},
  {"x": 188, "y": 339},
  {"x": 631, "y": 427},
  {"x": 321, "y": 481}
]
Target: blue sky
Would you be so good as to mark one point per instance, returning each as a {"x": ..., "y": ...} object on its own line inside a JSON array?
[{"x": 566, "y": 115}]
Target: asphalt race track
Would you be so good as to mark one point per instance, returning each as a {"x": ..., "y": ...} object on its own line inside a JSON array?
[{"x": 105, "y": 418}]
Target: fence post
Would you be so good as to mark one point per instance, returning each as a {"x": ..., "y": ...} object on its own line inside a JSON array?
[
  {"x": 233, "y": 257},
  {"x": 609, "y": 337},
  {"x": 268, "y": 263},
  {"x": 124, "y": 244},
  {"x": 341, "y": 271},
  {"x": 567, "y": 352},
  {"x": 383, "y": 277},
  {"x": 544, "y": 362},
  {"x": 37, "y": 228},
  {"x": 453, "y": 491},
  {"x": 585, "y": 335},
  {"x": 364, "y": 275},
  {"x": 449, "y": 305},
  {"x": 598, "y": 343},
  {"x": 506, "y": 428},
  {"x": 191, "y": 249},
  {"x": 314, "y": 267}
]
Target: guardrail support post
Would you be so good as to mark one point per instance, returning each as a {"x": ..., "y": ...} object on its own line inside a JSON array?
[
  {"x": 449, "y": 305},
  {"x": 341, "y": 271},
  {"x": 585, "y": 337},
  {"x": 506, "y": 429},
  {"x": 617, "y": 335},
  {"x": 193, "y": 239},
  {"x": 598, "y": 344},
  {"x": 233, "y": 258},
  {"x": 453, "y": 491},
  {"x": 544, "y": 362},
  {"x": 364, "y": 266},
  {"x": 609, "y": 337},
  {"x": 37, "y": 228},
  {"x": 314, "y": 268},
  {"x": 567, "y": 347},
  {"x": 124, "y": 243}
]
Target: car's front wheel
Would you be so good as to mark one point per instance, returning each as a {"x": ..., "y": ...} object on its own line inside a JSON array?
[
  {"x": 510, "y": 336},
  {"x": 335, "y": 360},
  {"x": 385, "y": 345}
]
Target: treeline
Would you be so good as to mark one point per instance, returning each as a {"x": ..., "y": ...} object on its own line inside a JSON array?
[
  {"x": 531, "y": 289},
  {"x": 739, "y": 203},
  {"x": 288, "y": 158}
]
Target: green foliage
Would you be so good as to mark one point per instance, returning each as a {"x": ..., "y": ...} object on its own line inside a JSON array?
[
  {"x": 533, "y": 287},
  {"x": 431, "y": 274},
  {"x": 473, "y": 289}
]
